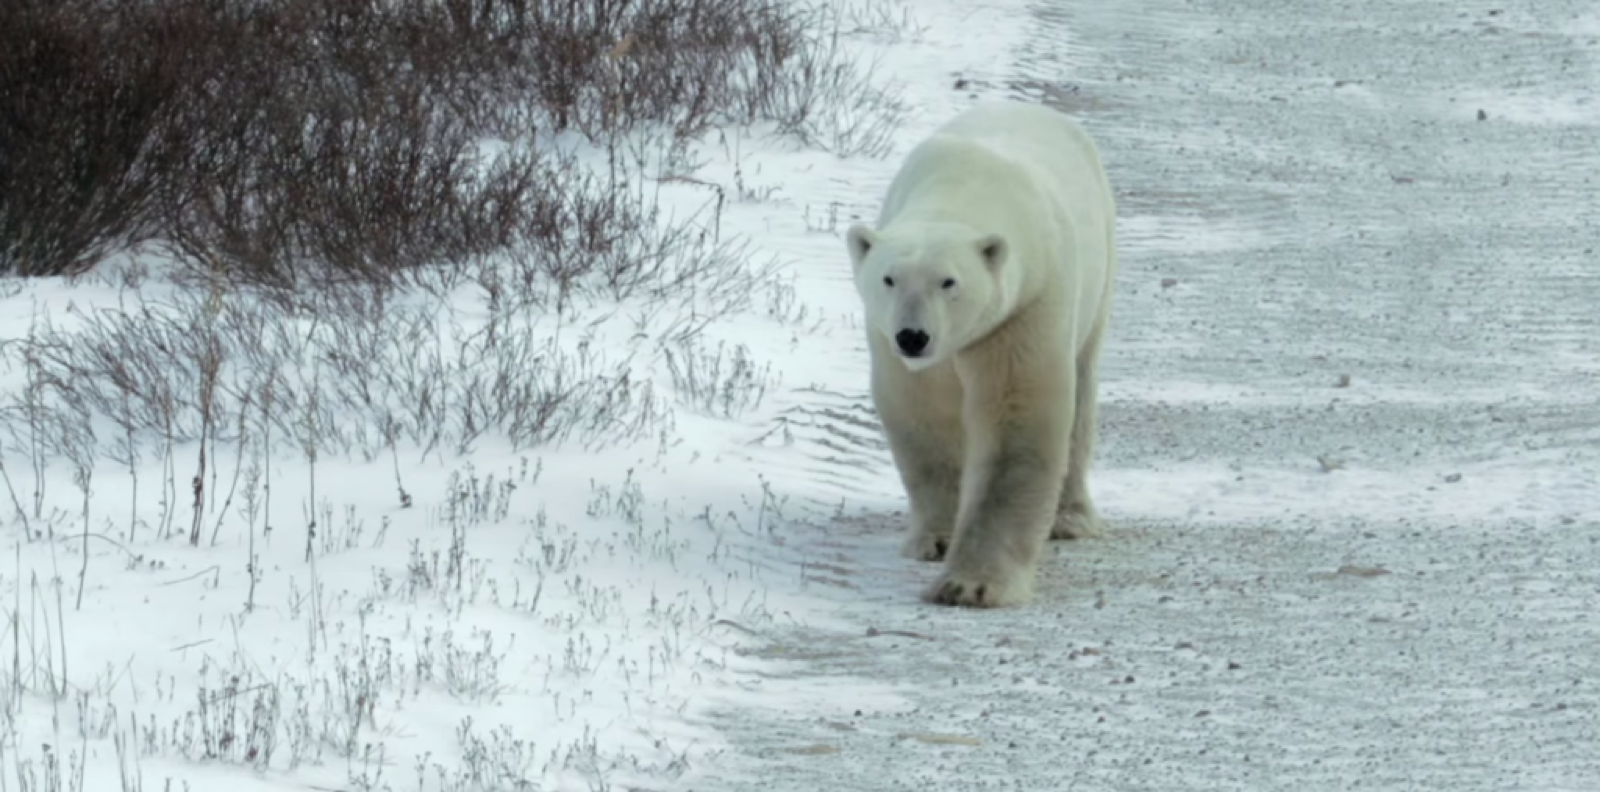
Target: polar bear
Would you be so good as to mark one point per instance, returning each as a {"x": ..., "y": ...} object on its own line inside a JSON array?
[{"x": 986, "y": 288}]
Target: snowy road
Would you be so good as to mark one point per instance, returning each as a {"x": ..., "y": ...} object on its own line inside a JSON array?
[{"x": 1351, "y": 431}]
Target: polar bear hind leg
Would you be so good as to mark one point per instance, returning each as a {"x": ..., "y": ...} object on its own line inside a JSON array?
[
  {"x": 931, "y": 474},
  {"x": 921, "y": 419},
  {"x": 1076, "y": 517}
]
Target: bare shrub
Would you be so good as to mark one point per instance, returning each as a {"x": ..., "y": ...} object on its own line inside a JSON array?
[
  {"x": 81, "y": 120},
  {"x": 293, "y": 142}
]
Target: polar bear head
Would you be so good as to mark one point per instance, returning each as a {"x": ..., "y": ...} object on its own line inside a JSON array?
[{"x": 930, "y": 290}]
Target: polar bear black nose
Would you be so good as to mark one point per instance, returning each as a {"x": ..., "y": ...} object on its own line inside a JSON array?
[{"x": 911, "y": 342}]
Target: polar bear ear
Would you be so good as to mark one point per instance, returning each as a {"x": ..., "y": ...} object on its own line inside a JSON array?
[
  {"x": 994, "y": 250},
  {"x": 860, "y": 239}
]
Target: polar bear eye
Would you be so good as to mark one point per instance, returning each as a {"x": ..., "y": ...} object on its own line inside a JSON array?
[
  {"x": 949, "y": 283},
  {"x": 888, "y": 281}
]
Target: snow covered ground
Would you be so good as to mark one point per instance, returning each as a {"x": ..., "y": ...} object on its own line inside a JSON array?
[{"x": 1350, "y": 460}]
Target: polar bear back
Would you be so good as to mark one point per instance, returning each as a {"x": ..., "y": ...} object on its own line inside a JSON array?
[{"x": 1033, "y": 175}]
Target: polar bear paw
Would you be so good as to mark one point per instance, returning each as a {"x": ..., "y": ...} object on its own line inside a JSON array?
[
  {"x": 1077, "y": 522},
  {"x": 923, "y": 545},
  {"x": 980, "y": 590}
]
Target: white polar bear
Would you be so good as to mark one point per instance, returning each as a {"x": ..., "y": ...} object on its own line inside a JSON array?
[{"x": 987, "y": 287}]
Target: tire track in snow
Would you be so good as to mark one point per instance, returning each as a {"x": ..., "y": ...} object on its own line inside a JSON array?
[{"x": 837, "y": 438}]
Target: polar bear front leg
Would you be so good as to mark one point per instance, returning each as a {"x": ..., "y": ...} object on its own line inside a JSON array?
[
  {"x": 1013, "y": 476},
  {"x": 1009, "y": 497}
]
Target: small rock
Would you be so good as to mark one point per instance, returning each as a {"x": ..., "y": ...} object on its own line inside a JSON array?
[
  {"x": 932, "y": 738},
  {"x": 818, "y": 749},
  {"x": 1361, "y": 571},
  {"x": 1167, "y": 283},
  {"x": 1343, "y": 381},
  {"x": 1452, "y": 478}
]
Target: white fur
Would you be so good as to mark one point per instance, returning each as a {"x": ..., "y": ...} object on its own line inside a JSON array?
[{"x": 997, "y": 236}]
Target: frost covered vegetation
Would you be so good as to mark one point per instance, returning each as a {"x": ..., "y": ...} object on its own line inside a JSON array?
[{"x": 254, "y": 250}]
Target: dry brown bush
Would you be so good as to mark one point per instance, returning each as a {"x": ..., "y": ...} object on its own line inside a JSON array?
[{"x": 288, "y": 143}]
